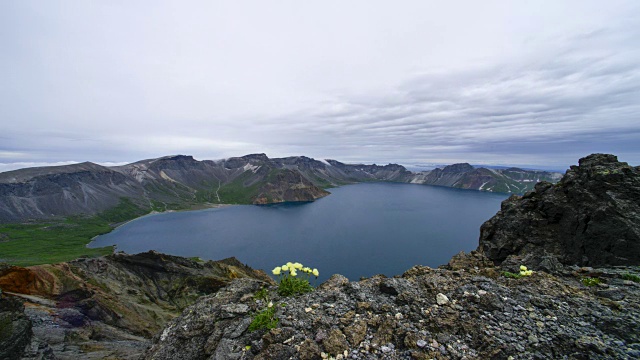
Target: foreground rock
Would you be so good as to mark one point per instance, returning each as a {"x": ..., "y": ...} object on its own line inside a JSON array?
[
  {"x": 111, "y": 306},
  {"x": 590, "y": 218},
  {"x": 15, "y": 328},
  {"x": 423, "y": 314}
]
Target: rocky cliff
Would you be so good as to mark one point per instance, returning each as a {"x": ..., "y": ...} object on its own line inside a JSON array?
[
  {"x": 591, "y": 218},
  {"x": 108, "y": 306}
]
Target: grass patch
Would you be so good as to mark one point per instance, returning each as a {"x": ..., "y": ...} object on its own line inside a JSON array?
[
  {"x": 632, "y": 277},
  {"x": 236, "y": 192},
  {"x": 50, "y": 242},
  {"x": 588, "y": 281},
  {"x": 125, "y": 211},
  {"x": 265, "y": 319}
]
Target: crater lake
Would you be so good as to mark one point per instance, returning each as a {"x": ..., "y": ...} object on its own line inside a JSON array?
[{"x": 358, "y": 231}]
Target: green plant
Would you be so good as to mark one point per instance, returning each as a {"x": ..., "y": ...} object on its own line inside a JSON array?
[
  {"x": 523, "y": 272},
  {"x": 262, "y": 294},
  {"x": 632, "y": 277},
  {"x": 511, "y": 275},
  {"x": 294, "y": 286},
  {"x": 289, "y": 282},
  {"x": 265, "y": 319},
  {"x": 588, "y": 281}
]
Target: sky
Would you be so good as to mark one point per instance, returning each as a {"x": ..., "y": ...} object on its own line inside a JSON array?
[{"x": 412, "y": 82}]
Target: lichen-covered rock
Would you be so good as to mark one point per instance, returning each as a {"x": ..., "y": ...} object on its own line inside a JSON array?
[
  {"x": 486, "y": 316},
  {"x": 209, "y": 324},
  {"x": 336, "y": 342},
  {"x": 590, "y": 218},
  {"x": 473, "y": 259}
]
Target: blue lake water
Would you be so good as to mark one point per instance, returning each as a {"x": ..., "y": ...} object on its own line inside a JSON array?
[{"x": 358, "y": 230}]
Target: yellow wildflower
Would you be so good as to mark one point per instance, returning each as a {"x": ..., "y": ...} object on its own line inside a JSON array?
[
  {"x": 297, "y": 266},
  {"x": 285, "y": 268},
  {"x": 315, "y": 272},
  {"x": 293, "y": 272},
  {"x": 277, "y": 270},
  {"x": 523, "y": 268}
]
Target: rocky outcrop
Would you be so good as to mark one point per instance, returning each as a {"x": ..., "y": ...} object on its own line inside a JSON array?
[
  {"x": 15, "y": 328},
  {"x": 472, "y": 313},
  {"x": 591, "y": 218},
  {"x": 111, "y": 306},
  {"x": 287, "y": 186}
]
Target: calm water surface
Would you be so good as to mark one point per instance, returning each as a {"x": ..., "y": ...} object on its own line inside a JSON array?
[{"x": 358, "y": 230}]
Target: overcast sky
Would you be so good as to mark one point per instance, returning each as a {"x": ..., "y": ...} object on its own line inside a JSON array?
[{"x": 487, "y": 82}]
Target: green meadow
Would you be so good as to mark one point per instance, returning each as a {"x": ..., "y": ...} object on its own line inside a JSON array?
[{"x": 57, "y": 241}]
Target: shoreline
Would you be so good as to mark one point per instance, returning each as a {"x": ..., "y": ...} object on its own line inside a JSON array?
[{"x": 192, "y": 208}]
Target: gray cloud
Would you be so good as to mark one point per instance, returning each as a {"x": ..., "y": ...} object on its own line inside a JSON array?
[{"x": 501, "y": 83}]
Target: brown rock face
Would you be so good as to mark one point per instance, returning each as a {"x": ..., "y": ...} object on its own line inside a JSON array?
[
  {"x": 288, "y": 186},
  {"x": 590, "y": 218},
  {"x": 107, "y": 306}
]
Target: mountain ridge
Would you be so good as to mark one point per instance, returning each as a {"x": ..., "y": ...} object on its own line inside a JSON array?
[{"x": 181, "y": 182}]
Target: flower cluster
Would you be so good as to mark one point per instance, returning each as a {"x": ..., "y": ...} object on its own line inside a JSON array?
[
  {"x": 293, "y": 269},
  {"x": 289, "y": 283},
  {"x": 524, "y": 271}
]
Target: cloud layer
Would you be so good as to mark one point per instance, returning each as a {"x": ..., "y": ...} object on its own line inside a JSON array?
[{"x": 494, "y": 83}]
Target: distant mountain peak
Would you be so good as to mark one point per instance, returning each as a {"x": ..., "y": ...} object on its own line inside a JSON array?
[
  {"x": 457, "y": 168},
  {"x": 260, "y": 157},
  {"x": 178, "y": 158}
]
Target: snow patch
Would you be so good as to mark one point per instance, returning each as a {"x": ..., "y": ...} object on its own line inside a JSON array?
[
  {"x": 253, "y": 168},
  {"x": 139, "y": 172},
  {"x": 325, "y": 162},
  {"x": 483, "y": 184}
]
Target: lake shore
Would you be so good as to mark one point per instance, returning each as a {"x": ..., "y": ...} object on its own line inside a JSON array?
[{"x": 191, "y": 208}]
